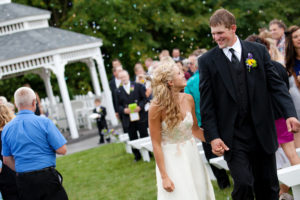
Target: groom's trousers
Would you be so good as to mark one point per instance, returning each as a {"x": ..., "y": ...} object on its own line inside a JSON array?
[{"x": 253, "y": 172}]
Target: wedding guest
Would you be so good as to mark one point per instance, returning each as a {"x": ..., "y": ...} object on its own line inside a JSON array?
[
  {"x": 39, "y": 109},
  {"x": 139, "y": 73},
  {"x": 29, "y": 147},
  {"x": 292, "y": 63},
  {"x": 116, "y": 63},
  {"x": 192, "y": 88},
  {"x": 164, "y": 53},
  {"x": 3, "y": 100},
  {"x": 193, "y": 64},
  {"x": 101, "y": 121},
  {"x": 186, "y": 69},
  {"x": 237, "y": 82},
  {"x": 148, "y": 64},
  {"x": 131, "y": 101},
  {"x": 285, "y": 138},
  {"x": 180, "y": 172},
  {"x": 11, "y": 106},
  {"x": 180, "y": 65},
  {"x": 274, "y": 52},
  {"x": 277, "y": 28},
  {"x": 176, "y": 55},
  {"x": 8, "y": 185}
]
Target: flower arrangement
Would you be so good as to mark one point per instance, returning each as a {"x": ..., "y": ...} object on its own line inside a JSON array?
[
  {"x": 131, "y": 88},
  {"x": 251, "y": 62},
  {"x": 110, "y": 132}
]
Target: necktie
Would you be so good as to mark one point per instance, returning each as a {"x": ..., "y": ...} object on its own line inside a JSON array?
[{"x": 234, "y": 59}]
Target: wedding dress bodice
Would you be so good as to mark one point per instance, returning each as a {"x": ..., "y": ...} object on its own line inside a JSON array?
[{"x": 181, "y": 133}]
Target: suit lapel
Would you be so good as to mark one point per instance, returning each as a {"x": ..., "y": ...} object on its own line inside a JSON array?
[
  {"x": 249, "y": 75},
  {"x": 223, "y": 67}
]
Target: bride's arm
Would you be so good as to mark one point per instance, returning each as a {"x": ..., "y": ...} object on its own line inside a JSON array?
[
  {"x": 155, "y": 133},
  {"x": 197, "y": 131}
]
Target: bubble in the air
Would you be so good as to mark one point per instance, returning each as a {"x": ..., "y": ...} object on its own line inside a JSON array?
[
  {"x": 115, "y": 28},
  {"x": 182, "y": 32},
  {"x": 134, "y": 5},
  {"x": 98, "y": 27},
  {"x": 86, "y": 27},
  {"x": 153, "y": 49},
  {"x": 120, "y": 54},
  {"x": 138, "y": 53},
  {"x": 78, "y": 73},
  {"x": 141, "y": 30},
  {"x": 130, "y": 38},
  {"x": 182, "y": 20},
  {"x": 113, "y": 44},
  {"x": 204, "y": 2}
]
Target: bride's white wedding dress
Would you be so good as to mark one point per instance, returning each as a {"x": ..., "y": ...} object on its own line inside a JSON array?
[{"x": 183, "y": 165}]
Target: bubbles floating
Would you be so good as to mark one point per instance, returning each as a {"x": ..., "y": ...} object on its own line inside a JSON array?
[
  {"x": 113, "y": 44},
  {"x": 115, "y": 28},
  {"x": 120, "y": 55},
  {"x": 138, "y": 53},
  {"x": 134, "y": 6}
]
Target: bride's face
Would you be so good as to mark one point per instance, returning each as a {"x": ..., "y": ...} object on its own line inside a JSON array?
[{"x": 178, "y": 81}]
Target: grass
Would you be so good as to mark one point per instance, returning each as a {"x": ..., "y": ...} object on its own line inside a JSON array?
[{"x": 108, "y": 172}]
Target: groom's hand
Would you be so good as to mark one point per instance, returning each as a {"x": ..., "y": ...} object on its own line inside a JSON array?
[
  {"x": 218, "y": 147},
  {"x": 293, "y": 125}
]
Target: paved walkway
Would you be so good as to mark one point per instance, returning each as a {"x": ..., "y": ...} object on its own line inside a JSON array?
[{"x": 87, "y": 140}]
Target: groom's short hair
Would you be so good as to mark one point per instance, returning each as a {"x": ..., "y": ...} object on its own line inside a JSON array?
[{"x": 222, "y": 17}]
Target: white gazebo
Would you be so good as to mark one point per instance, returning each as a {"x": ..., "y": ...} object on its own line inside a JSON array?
[{"x": 29, "y": 45}]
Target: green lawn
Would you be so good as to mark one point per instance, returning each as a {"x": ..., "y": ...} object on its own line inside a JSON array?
[{"x": 108, "y": 172}]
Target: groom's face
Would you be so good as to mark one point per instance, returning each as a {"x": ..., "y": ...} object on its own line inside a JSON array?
[{"x": 223, "y": 36}]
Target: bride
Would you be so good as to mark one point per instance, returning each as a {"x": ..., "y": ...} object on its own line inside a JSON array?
[{"x": 180, "y": 172}]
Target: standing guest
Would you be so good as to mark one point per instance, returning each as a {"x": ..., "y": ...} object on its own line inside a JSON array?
[
  {"x": 11, "y": 106},
  {"x": 131, "y": 101},
  {"x": 186, "y": 69},
  {"x": 114, "y": 84},
  {"x": 39, "y": 108},
  {"x": 29, "y": 147},
  {"x": 292, "y": 63},
  {"x": 148, "y": 64},
  {"x": 8, "y": 185},
  {"x": 176, "y": 55},
  {"x": 164, "y": 53},
  {"x": 192, "y": 88},
  {"x": 3, "y": 100},
  {"x": 101, "y": 122},
  {"x": 193, "y": 64},
  {"x": 180, "y": 172},
  {"x": 237, "y": 83},
  {"x": 116, "y": 63},
  {"x": 285, "y": 138},
  {"x": 139, "y": 73},
  {"x": 277, "y": 28}
]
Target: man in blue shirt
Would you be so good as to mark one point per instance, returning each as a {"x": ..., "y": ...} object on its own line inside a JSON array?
[
  {"x": 192, "y": 88},
  {"x": 29, "y": 147}
]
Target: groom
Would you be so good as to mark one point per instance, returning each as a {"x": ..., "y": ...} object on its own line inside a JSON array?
[{"x": 237, "y": 82}]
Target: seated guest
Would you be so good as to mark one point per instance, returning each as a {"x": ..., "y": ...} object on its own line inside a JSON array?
[
  {"x": 101, "y": 122},
  {"x": 131, "y": 101},
  {"x": 29, "y": 147},
  {"x": 8, "y": 185}
]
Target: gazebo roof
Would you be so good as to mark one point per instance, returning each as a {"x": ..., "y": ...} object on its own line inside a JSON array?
[
  {"x": 40, "y": 40},
  {"x": 11, "y": 11}
]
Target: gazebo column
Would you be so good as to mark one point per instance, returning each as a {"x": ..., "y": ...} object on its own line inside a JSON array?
[
  {"x": 60, "y": 75},
  {"x": 107, "y": 92},
  {"x": 45, "y": 75},
  {"x": 94, "y": 76}
]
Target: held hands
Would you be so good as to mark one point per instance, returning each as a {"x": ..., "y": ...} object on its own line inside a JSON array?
[
  {"x": 218, "y": 147},
  {"x": 168, "y": 185},
  {"x": 293, "y": 125}
]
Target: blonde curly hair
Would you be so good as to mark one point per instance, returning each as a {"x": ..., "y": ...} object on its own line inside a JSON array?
[
  {"x": 163, "y": 95},
  {"x": 5, "y": 115}
]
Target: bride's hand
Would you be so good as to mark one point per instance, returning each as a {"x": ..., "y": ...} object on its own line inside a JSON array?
[{"x": 168, "y": 185}]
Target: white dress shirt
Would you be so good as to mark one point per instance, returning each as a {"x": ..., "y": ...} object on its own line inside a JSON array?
[
  {"x": 118, "y": 82},
  {"x": 127, "y": 87},
  {"x": 237, "y": 50}
]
